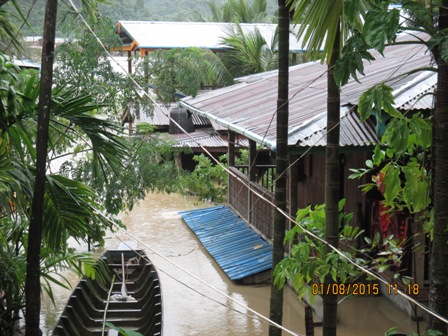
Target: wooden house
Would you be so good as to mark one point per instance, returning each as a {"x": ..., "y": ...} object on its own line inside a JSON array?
[
  {"x": 201, "y": 134},
  {"x": 248, "y": 108}
]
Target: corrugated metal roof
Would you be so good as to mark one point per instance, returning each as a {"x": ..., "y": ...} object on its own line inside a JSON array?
[
  {"x": 168, "y": 35},
  {"x": 353, "y": 133},
  {"x": 251, "y": 104},
  {"x": 207, "y": 138},
  {"x": 158, "y": 116},
  {"x": 417, "y": 94},
  {"x": 238, "y": 250}
]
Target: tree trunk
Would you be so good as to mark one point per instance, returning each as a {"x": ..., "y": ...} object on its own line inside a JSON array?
[
  {"x": 438, "y": 294},
  {"x": 332, "y": 184},
  {"x": 32, "y": 284},
  {"x": 276, "y": 304}
]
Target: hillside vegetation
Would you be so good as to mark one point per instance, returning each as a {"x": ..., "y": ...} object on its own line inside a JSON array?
[{"x": 145, "y": 10}]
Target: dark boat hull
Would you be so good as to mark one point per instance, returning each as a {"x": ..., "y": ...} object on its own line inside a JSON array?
[{"x": 84, "y": 312}]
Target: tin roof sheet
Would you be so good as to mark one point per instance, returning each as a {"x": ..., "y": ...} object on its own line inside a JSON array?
[
  {"x": 237, "y": 249},
  {"x": 251, "y": 104},
  {"x": 158, "y": 116},
  {"x": 205, "y": 138},
  {"x": 167, "y": 35}
]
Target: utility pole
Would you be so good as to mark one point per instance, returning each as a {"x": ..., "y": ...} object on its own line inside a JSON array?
[{"x": 32, "y": 284}]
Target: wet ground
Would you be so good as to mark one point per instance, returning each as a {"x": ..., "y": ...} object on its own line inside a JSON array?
[{"x": 202, "y": 308}]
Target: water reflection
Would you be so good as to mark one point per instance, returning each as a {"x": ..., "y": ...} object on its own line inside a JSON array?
[{"x": 191, "y": 308}]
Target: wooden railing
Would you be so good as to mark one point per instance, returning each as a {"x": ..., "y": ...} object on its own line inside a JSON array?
[
  {"x": 264, "y": 175},
  {"x": 248, "y": 203}
]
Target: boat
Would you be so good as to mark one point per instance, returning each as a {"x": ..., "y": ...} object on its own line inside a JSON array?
[{"x": 131, "y": 302}]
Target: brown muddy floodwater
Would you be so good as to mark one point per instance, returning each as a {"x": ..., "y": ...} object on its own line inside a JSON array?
[{"x": 190, "y": 308}]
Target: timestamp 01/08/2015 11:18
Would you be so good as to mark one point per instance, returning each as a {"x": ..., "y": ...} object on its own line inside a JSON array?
[{"x": 363, "y": 289}]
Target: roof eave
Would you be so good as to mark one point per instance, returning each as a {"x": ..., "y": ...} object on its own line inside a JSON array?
[{"x": 240, "y": 130}]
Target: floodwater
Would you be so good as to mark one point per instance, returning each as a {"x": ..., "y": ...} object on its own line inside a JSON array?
[{"x": 213, "y": 305}]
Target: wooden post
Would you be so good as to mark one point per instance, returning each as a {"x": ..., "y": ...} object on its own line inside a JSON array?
[
  {"x": 231, "y": 161},
  {"x": 129, "y": 62},
  {"x": 33, "y": 270},
  {"x": 294, "y": 59},
  {"x": 293, "y": 181},
  {"x": 281, "y": 164},
  {"x": 252, "y": 176},
  {"x": 146, "y": 71},
  {"x": 293, "y": 197},
  {"x": 309, "y": 324},
  {"x": 231, "y": 148}
]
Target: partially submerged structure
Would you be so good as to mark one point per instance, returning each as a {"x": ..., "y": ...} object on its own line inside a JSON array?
[
  {"x": 201, "y": 133},
  {"x": 248, "y": 108}
]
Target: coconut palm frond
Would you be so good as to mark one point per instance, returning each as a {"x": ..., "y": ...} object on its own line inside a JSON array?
[
  {"x": 9, "y": 34},
  {"x": 223, "y": 76},
  {"x": 71, "y": 210},
  {"x": 248, "y": 52},
  {"x": 319, "y": 21},
  {"x": 105, "y": 136}
]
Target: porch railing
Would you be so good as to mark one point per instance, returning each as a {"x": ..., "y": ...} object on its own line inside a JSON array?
[
  {"x": 251, "y": 207},
  {"x": 264, "y": 174}
]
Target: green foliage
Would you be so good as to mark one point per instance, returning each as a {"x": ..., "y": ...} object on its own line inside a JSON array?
[
  {"x": 319, "y": 21},
  {"x": 248, "y": 52},
  {"x": 439, "y": 43},
  {"x": 238, "y": 11},
  {"x": 184, "y": 71},
  {"x": 351, "y": 60},
  {"x": 310, "y": 262},
  {"x": 71, "y": 209},
  {"x": 402, "y": 168},
  {"x": 13, "y": 240},
  {"x": 9, "y": 34},
  {"x": 129, "y": 10},
  {"x": 208, "y": 180},
  {"x": 377, "y": 98},
  {"x": 150, "y": 168},
  {"x": 381, "y": 26},
  {"x": 124, "y": 332},
  {"x": 84, "y": 65},
  {"x": 393, "y": 330}
]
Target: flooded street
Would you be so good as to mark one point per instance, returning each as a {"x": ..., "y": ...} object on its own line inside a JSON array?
[{"x": 192, "y": 308}]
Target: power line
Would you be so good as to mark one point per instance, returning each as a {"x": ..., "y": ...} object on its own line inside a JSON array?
[{"x": 262, "y": 317}]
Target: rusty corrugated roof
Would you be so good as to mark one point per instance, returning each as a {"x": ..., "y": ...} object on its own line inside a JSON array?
[
  {"x": 158, "y": 116},
  {"x": 205, "y": 137},
  {"x": 250, "y": 105}
]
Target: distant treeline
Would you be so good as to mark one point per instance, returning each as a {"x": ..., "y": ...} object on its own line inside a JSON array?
[
  {"x": 174, "y": 10},
  {"x": 145, "y": 10}
]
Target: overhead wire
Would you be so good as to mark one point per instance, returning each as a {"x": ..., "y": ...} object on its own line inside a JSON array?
[
  {"x": 260, "y": 316},
  {"x": 255, "y": 192}
]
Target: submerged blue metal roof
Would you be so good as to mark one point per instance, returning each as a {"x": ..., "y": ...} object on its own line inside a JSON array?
[{"x": 237, "y": 249}]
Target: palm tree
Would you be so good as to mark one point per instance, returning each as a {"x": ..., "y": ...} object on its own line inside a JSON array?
[
  {"x": 438, "y": 300},
  {"x": 9, "y": 34},
  {"x": 59, "y": 207},
  {"x": 248, "y": 52},
  {"x": 70, "y": 208},
  {"x": 279, "y": 223}
]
